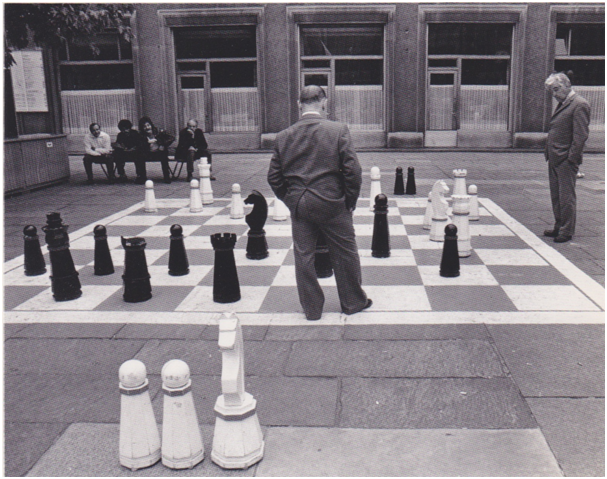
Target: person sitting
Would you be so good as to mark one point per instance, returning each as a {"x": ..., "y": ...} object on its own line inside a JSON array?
[
  {"x": 153, "y": 146},
  {"x": 125, "y": 148},
  {"x": 98, "y": 149},
  {"x": 192, "y": 146}
]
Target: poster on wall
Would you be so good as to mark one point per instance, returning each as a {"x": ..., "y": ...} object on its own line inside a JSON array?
[{"x": 29, "y": 87}]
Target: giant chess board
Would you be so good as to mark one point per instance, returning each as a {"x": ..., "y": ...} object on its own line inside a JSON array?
[{"x": 512, "y": 275}]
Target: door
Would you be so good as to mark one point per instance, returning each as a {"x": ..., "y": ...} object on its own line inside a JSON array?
[
  {"x": 324, "y": 79},
  {"x": 442, "y": 107},
  {"x": 192, "y": 97}
]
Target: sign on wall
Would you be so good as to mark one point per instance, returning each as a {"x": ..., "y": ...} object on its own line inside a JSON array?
[{"x": 29, "y": 87}]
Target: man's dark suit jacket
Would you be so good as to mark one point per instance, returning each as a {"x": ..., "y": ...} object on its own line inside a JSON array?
[
  {"x": 186, "y": 140},
  {"x": 315, "y": 157},
  {"x": 568, "y": 131}
]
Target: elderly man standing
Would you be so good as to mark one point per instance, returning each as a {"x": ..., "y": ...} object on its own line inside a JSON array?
[
  {"x": 566, "y": 138},
  {"x": 316, "y": 172},
  {"x": 98, "y": 149}
]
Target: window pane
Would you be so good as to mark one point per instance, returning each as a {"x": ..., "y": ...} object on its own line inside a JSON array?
[
  {"x": 585, "y": 72},
  {"x": 318, "y": 79},
  {"x": 80, "y": 49},
  {"x": 442, "y": 79},
  {"x": 316, "y": 63},
  {"x": 190, "y": 66},
  {"x": 485, "y": 72},
  {"x": 233, "y": 74},
  {"x": 469, "y": 38},
  {"x": 192, "y": 83},
  {"x": 588, "y": 39},
  {"x": 126, "y": 50},
  {"x": 359, "y": 72},
  {"x": 97, "y": 77},
  {"x": 442, "y": 63},
  {"x": 343, "y": 40},
  {"x": 216, "y": 42}
]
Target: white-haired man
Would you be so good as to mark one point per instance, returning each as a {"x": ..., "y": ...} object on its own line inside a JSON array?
[{"x": 564, "y": 146}]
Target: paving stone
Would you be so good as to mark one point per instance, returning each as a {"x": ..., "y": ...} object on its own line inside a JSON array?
[
  {"x": 160, "y": 331},
  {"x": 69, "y": 330},
  {"x": 12, "y": 329},
  {"x": 470, "y": 403},
  {"x": 554, "y": 360},
  {"x": 249, "y": 333},
  {"x": 575, "y": 431},
  {"x": 462, "y": 358},
  {"x": 305, "y": 333},
  {"x": 398, "y": 332}
]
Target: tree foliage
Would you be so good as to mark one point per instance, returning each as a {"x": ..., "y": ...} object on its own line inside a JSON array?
[{"x": 50, "y": 24}]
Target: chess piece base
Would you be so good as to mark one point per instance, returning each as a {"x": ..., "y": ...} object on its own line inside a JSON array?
[{"x": 140, "y": 462}]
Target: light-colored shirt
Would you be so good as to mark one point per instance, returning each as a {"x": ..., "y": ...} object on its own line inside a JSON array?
[{"x": 97, "y": 146}]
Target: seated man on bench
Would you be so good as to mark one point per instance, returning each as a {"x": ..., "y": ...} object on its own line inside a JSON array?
[
  {"x": 98, "y": 149},
  {"x": 125, "y": 147},
  {"x": 153, "y": 146},
  {"x": 192, "y": 146}
]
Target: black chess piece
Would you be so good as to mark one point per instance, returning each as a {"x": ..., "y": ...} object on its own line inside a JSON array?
[
  {"x": 103, "y": 258},
  {"x": 399, "y": 184},
  {"x": 178, "y": 259},
  {"x": 136, "y": 278},
  {"x": 410, "y": 190},
  {"x": 33, "y": 263},
  {"x": 380, "y": 244},
  {"x": 64, "y": 278},
  {"x": 257, "y": 246},
  {"x": 449, "y": 265},
  {"x": 322, "y": 260},
  {"x": 226, "y": 288}
]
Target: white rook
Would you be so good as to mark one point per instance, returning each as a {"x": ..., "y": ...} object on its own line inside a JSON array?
[
  {"x": 182, "y": 445},
  {"x": 237, "y": 205},
  {"x": 195, "y": 200},
  {"x": 461, "y": 210},
  {"x": 238, "y": 440},
  {"x": 459, "y": 184},
  {"x": 280, "y": 211},
  {"x": 139, "y": 442},
  {"x": 206, "y": 192},
  {"x": 439, "y": 211},
  {"x": 150, "y": 199},
  {"x": 375, "y": 186},
  {"x": 472, "y": 192}
]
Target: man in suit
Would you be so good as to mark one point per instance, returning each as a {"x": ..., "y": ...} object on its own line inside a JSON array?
[
  {"x": 316, "y": 172},
  {"x": 566, "y": 138},
  {"x": 192, "y": 146}
]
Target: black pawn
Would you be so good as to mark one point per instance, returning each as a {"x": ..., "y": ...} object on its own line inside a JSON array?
[
  {"x": 226, "y": 288},
  {"x": 136, "y": 278},
  {"x": 34, "y": 264},
  {"x": 178, "y": 259},
  {"x": 399, "y": 184},
  {"x": 411, "y": 190},
  {"x": 380, "y": 244},
  {"x": 64, "y": 278},
  {"x": 322, "y": 260},
  {"x": 103, "y": 258},
  {"x": 449, "y": 265}
]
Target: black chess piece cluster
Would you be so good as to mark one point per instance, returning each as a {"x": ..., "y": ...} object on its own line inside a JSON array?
[{"x": 399, "y": 186}]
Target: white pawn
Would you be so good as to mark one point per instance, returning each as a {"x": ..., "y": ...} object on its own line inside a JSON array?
[
  {"x": 375, "y": 186},
  {"x": 139, "y": 442},
  {"x": 428, "y": 215},
  {"x": 459, "y": 185},
  {"x": 206, "y": 192},
  {"x": 237, "y": 206},
  {"x": 195, "y": 200},
  {"x": 280, "y": 211},
  {"x": 461, "y": 210},
  {"x": 238, "y": 439},
  {"x": 439, "y": 211},
  {"x": 182, "y": 445},
  {"x": 474, "y": 214},
  {"x": 150, "y": 199}
]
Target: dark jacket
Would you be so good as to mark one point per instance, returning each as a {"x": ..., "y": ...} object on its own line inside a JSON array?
[
  {"x": 186, "y": 140},
  {"x": 127, "y": 140},
  {"x": 163, "y": 138}
]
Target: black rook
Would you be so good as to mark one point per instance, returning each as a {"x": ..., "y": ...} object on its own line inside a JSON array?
[
  {"x": 449, "y": 265},
  {"x": 33, "y": 264},
  {"x": 380, "y": 244},
  {"x": 103, "y": 259},
  {"x": 226, "y": 288},
  {"x": 136, "y": 278},
  {"x": 178, "y": 259}
]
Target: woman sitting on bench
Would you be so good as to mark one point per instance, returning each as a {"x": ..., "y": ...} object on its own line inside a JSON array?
[{"x": 154, "y": 146}]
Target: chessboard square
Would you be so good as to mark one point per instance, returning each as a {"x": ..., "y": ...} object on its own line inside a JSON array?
[
  {"x": 498, "y": 242},
  {"x": 254, "y": 276},
  {"x": 195, "y": 257},
  {"x": 285, "y": 276},
  {"x": 417, "y": 230},
  {"x": 224, "y": 220},
  {"x": 275, "y": 258},
  {"x": 482, "y": 211},
  {"x": 469, "y": 298},
  {"x": 397, "y": 298},
  {"x": 362, "y": 213},
  {"x": 283, "y": 229},
  {"x": 197, "y": 242},
  {"x": 92, "y": 296},
  {"x": 137, "y": 220},
  {"x": 279, "y": 242},
  {"x": 396, "y": 242},
  {"x": 164, "y": 231},
  {"x": 285, "y": 299},
  {"x": 290, "y": 257},
  {"x": 80, "y": 257},
  {"x": 164, "y": 298},
  {"x": 391, "y": 275},
  {"x": 413, "y": 219},
  {"x": 367, "y": 230},
  {"x": 398, "y": 257},
  {"x": 423, "y": 242},
  {"x": 513, "y": 257},
  {"x": 428, "y": 257},
  {"x": 487, "y": 220},
  {"x": 534, "y": 275},
  {"x": 87, "y": 276},
  {"x": 206, "y": 211},
  {"x": 127, "y": 231},
  {"x": 174, "y": 203},
  {"x": 470, "y": 275},
  {"x": 411, "y": 202},
  {"x": 162, "y": 211},
  {"x": 156, "y": 242},
  {"x": 181, "y": 220},
  {"x": 548, "y": 298},
  {"x": 200, "y": 298},
  {"x": 17, "y": 277},
  {"x": 207, "y": 231},
  {"x": 160, "y": 276},
  {"x": 15, "y": 295},
  {"x": 489, "y": 230}
]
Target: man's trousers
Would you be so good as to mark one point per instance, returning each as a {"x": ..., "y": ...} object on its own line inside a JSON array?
[{"x": 562, "y": 193}]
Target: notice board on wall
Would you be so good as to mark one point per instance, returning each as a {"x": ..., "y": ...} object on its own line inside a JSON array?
[{"x": 29, "y": 87}]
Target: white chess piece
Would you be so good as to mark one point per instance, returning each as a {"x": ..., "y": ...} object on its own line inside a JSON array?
[
  {"x": 473, "y": 193},
  {"x": 195, "y": 200},
  {"x": 238, "y": 439},
  {"x": 182, "y": 445},
  {"x": 237, "y": 206},
  {"x": 428, "y": 214},
  {"x": 150, "y": 199},
  {"x": 280, "y": 212},
  {"x": 439, "y": 211},
  {"x": 206, "y": 191},
  {"x": 461, "y": 211},
  {"x": 459, "y": 182},
  {"x": 139, "y": 442},
  {"x": 375, "y": 186}
]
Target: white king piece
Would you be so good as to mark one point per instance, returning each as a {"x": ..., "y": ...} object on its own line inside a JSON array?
[
  {"x": 238, "y": 440},
  {"x": 139, "y": 437}
]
